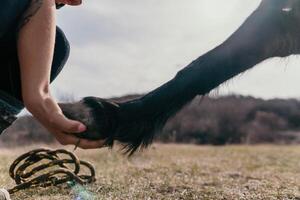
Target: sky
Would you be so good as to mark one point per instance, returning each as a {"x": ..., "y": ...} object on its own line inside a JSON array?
[{"x": 121, "y": 47}]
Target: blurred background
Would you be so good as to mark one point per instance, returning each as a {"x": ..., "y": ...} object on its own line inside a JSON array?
[{"x": 127, "y": 48}]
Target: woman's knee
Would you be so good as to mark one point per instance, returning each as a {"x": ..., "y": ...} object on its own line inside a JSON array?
[{"x": 61, "y": 53}]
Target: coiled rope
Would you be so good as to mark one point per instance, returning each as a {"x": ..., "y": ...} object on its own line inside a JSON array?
[{"x": 30, "y": 169}]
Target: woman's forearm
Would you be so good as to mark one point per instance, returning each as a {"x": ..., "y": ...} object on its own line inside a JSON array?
[{"x": 35, "y": 50}]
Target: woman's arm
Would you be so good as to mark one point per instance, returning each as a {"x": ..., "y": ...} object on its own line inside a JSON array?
[{"x": 35, "y": 50}]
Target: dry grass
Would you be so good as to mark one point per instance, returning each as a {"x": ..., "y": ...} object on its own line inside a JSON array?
[{"x": 183, "y": 172}]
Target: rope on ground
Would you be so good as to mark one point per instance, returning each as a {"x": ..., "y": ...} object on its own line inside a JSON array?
[{"x": 30, "y": 169}]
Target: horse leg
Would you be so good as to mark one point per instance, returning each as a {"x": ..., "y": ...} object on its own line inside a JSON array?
[{"x": 271, "y": 31}]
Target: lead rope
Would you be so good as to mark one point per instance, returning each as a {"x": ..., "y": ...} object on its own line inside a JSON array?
[{"x": 53, "y": 172}]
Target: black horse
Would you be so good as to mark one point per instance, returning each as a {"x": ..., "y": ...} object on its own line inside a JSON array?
[{"x": 272, "y": 30}]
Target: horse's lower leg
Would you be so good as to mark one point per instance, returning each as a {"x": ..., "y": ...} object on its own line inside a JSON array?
[{"x": 266, "y": 33}]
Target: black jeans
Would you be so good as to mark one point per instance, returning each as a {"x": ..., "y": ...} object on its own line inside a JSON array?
[{"x": 10, "y": 84}]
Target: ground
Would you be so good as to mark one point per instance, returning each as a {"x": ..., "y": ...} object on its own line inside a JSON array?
[{"x": 182, "y": 172}]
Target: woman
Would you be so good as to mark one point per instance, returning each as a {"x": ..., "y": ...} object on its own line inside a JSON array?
[{"x": 33, "y": 51}]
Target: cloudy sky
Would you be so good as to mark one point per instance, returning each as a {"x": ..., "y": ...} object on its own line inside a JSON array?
[{"x": 133, "y": 46}]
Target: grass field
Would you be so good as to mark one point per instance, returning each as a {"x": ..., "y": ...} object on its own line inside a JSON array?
[{"x": 182, "y": 172}]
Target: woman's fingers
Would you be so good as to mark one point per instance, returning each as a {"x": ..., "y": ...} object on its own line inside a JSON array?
[
  {"x": 75, "y": 2},
  {"x": 87, "y": 144},
  {"x": 60, "y": 122},
  {"x": 65, "y": 139}
]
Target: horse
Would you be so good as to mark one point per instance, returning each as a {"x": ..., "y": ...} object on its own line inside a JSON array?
[{"x": 272, "y": 30}]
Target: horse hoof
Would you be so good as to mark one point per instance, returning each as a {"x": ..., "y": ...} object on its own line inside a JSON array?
[{"x": 99, "y": 115}]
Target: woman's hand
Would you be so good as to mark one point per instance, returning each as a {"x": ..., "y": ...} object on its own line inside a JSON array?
[
  {"x": 46, "y": 110},
  {"x": 69, "y": 2}
]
